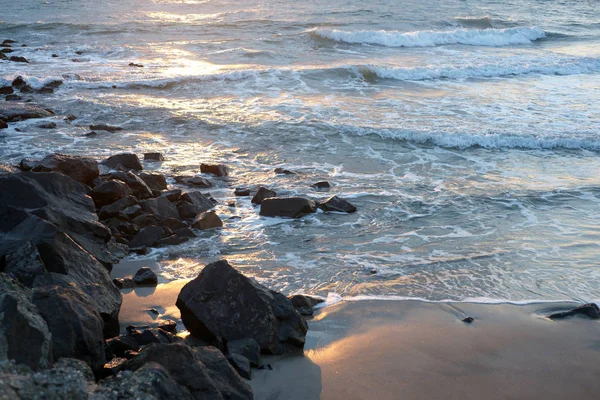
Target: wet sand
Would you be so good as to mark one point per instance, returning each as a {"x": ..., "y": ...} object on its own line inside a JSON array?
[{"x": 416, "y": 350}]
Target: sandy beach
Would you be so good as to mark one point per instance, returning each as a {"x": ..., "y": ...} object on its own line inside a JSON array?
[{"x": 417, "y": 350}]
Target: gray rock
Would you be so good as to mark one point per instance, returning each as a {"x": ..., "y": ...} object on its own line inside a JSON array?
[
  {"x": 147, "y": 237},
  {"x": 304, "y": 304},
  {"x": 160, "y": 206},
  {"x": 337, "y": 204},
  {"x": 139, "y": 188},
  {"x": 248, "y": 347},
  {"x": 153, "y": 157},
  {"x": 226, "y": 379},
  {"x": 590, "y": 310},
  {"x": 109, "y": 192},
  {"x": 222, "y": 304},
  {"x": 145, "y": 277},
  {"x": 12, "y": 111},
  {"x": 194, "y": 203},
  {"x": 214, "y": 169},
  {"x": 154, "y": 181},
  {"x": 207, "y": 220},
  {"x": 241, "y": 192},
  {"x": 150, "y": 382},
  {"x": 172, "y": 195},
  {"x": 24, "y": 263},
  {"x": 124, "y": 161},
  {"x": 289, "y": 207},
  {"x": 68, "y": 379},
  {"x": 82, "y": 169},
  {"x": 323, "y": 185},
  {"x": 241, "y": 365},
  {"x": 114, "y": 209},
  {"x": 261, "y": 194},
  {"x": 76, "y": 327},
  {"x": 24, "y": 334},
  {"x": 105, "y": 127},
  {"x": 283, "y": 171}
]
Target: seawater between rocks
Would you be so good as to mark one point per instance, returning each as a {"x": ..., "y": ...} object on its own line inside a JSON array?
[{"x": 466, "y": 132}]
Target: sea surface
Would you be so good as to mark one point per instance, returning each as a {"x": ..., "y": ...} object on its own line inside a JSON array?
[{"x": 467, "y": 132}]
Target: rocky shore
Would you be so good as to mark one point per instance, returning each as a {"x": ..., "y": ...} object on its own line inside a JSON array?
[{"x": 65, "y": 220}]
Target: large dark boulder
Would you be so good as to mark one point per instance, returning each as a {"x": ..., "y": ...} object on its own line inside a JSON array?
[
  {"x": 156, "y": 182},
  {"x": 114, "y": 209},
  {"x": 207, "y": 220},
  {"x": 223, "y": 375},
  {"x": 68, "y": 379},
  {"x": 13, "y": 111},
  {"x": 139, "y": 188},
  {"x": 145, "y": 277},
  {"x": 24, "y": 335},
  {"x": 147, "y": 237},
  {"x": 290, "y": 207},
  {"x": 261, "y": 194},
  {"x": 160, "y": 206},
  {"x": 124, "y": 161},
  {"x": 150, "y": 382},
  {"x": 186, "y": 367},
  {"x": 337, "y": 204},
  {"x": 109, "y": 192},
  {"x": 72, "y": 319},
  {"x": 221, "y": 304},
  {"x": 193, "y": 203},
  {"x": 59, "y": 200},
  {"x": 82, "y": 169}
]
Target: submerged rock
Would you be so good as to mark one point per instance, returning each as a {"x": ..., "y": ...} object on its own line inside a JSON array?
[
  {"x": 290, "y": 207},
  {"x": 153, "y": 157},
  {"x": 105, "y": 127},
  {"x": 323, "y": 185},
  {"x": 283, "y": 171},
  {"x": 589, "y": 310},
  {"x": 241, "y": 192},
  {"x": 223, "y": 304},
  {"x": 12, "y": 111}
]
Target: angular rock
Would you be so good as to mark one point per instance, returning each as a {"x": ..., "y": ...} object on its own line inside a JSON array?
[
  {"x": 168, "y": 325},
  {"x": 113, "y": 209},
  {"x": 150, "y": 382},
  {"x": 207, "y": 220},
  {"x": 145, "y": 220},
  {"x": 124, "y": 161},
  {"x": 124, "y": 283},
  {"x": 241, "y": 365},
  {"x": 119, "y": 345},
  {"x": 147, "y": 237},
  {"x": 48, "y": 125},
  {"x": 160, "y": 206},
  {"x": 186, "y": 232},
  {"x": 172, "y": 195},
  {"x": 6, "y": 90},
  {"x": 248, "y": 347},
  {"x": 23, "y": 263},
  {"x": 289, "y": 207},
  {"x": 226, "y": 379},
  {"x": 214, "y": 169},
  {"x": 304, "y": 304},
  {"x": 3, "y": 125},
  {"x": 172, "y": 223},
  {"x": 145, "y": 277},
  {"x": 153, "y": 157},
  {"x": 178, "y": 359},
  {"x": 18, "y": 59},
  {"x": 337, "y": 204},
  {"x": 194, "y": 181},
  {"x": 323, "y": 185},
  {"x": 77, "y": 329},
  {"x": 68, "y": 379},
  {"x": 172, "y": 240},
  {"x": 589, "y": 310},
  {"x": 241, "y": 192},
  {"x": 12, "y": 111},
  {"x": 194, "y": 203},
  {"x": 82, "y": 169},
  {"x": 59, "y": 200},
  {"x": 131, "y": 212},
  {"x": 223, "y": 304},
  {"x": 105, "y": 127},
  {"x": 109, "y": 192},
  {"x": 138, "y": 187},
  {"x": 154, "y": 181},
  {"x": 261, "y": 194},
  {"x": 283, "y": 171},
  {"x": 24, "y": 334}
]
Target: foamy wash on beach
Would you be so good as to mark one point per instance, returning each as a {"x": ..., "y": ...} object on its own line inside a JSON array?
[{"x": 466, "y": 132}]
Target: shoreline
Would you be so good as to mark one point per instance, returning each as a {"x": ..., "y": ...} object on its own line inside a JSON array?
[{"x": 414, "y": 349}]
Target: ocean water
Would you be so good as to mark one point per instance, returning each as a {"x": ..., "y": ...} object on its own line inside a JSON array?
[{"x": 466, "y": 132}]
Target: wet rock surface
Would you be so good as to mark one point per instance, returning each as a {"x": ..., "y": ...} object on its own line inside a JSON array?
[{"x": 289, "y": 207}]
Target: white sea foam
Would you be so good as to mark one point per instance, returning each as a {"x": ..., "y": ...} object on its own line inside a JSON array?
[
  {"x": 517, "y": 66},
  {"x": 474, "y": 37}
]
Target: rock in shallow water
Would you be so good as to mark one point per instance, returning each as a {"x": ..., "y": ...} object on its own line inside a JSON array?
[
  {"x": 337, "y": 204},
  {"x": 590, "y": 310},
  {"x": 82, "y": 169},
  {"x": 223, "y": 304},
  {"x": 290, "y": 207},
  {"x": 124, "y": 162},
  {"x": 261, "y": 194}
]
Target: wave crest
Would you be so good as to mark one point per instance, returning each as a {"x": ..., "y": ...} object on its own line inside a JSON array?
[{"x": 473, "y": 37}]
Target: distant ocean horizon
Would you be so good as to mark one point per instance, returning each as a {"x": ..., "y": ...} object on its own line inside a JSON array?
[{"x": 467, "y": 133}]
